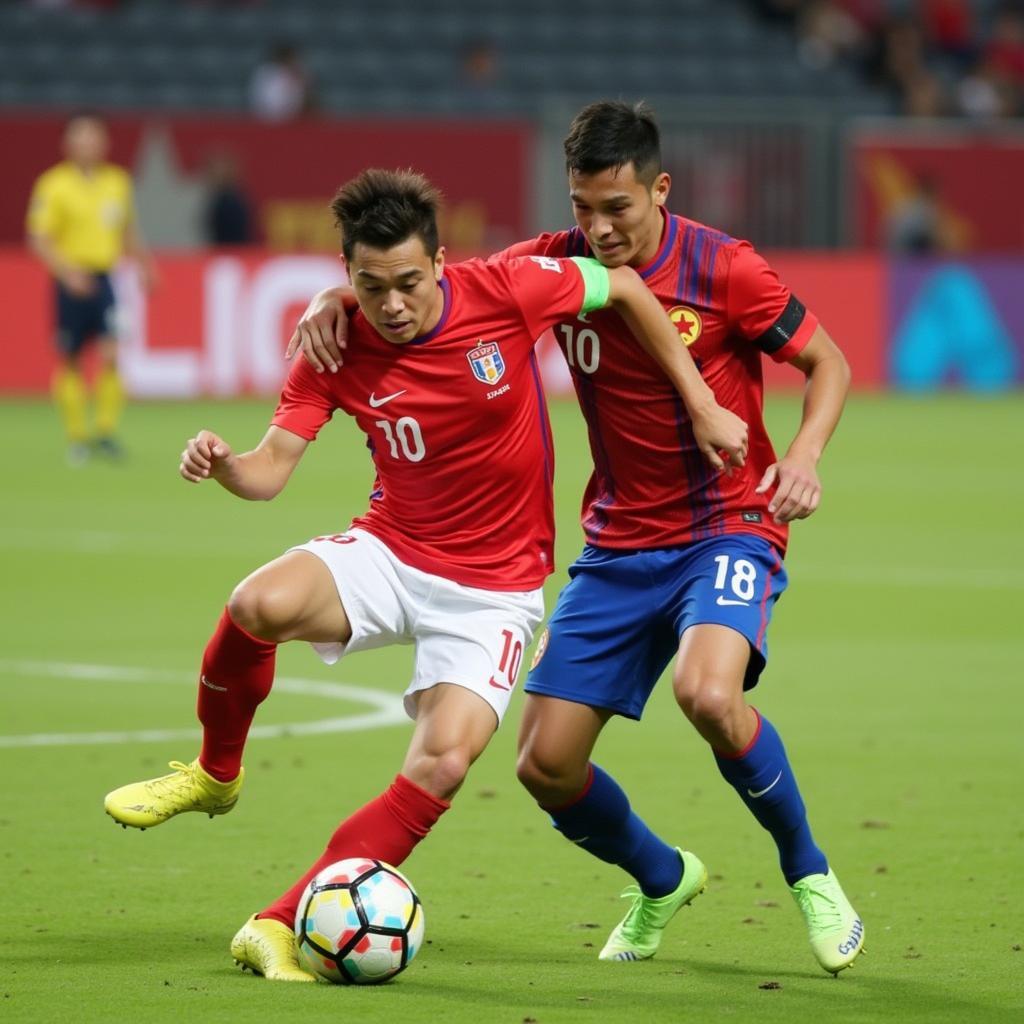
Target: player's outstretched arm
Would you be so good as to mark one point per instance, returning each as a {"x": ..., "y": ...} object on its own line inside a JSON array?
[
  {"x": 795, "y": 475},
  {"x": 258, "y": 475},
  {"x": 322, "y": 333},
  {"x": 718, "y": 431}
]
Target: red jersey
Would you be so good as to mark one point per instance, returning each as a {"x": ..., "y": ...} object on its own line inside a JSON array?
[
  {"x": 456, "y": 423},
  {"x": 651, "y": 486}
]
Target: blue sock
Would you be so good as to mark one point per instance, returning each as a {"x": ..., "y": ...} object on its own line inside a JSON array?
[
  {"x": 766, "y": 784},
  {"x": 601, "y": 822}
]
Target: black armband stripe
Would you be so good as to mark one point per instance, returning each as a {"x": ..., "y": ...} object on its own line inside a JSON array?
[{"x": 780, "y": 332}]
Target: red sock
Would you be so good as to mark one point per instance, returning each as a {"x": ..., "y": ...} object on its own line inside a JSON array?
[
  {"x": 237, "y": 673},
  {"x": 386, "y": 829}
]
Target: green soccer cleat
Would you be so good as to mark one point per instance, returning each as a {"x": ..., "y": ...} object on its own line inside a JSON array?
[
  {"x": 835, "y": 929},
  {"x": 187, "y": 788},
  {"x": 638, "y": 935},
  {"x": 268, "y": 947}
]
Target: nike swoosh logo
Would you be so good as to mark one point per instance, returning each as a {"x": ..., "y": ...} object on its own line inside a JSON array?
[
  {"x": 761, "y": 792},
  {"x": 212, "y": 686},
  {"x": 725, "y": 600},
  {"x": 499, "y": 686},
  {"x": 376, "y": 403}
]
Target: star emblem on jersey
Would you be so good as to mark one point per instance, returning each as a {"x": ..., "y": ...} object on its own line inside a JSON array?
[
  {"x": 688, "y": 323},
  {"x": 486, "y": 362}
]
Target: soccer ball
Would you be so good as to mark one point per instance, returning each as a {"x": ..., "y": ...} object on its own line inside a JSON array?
[{"x": 359, "y": 922}]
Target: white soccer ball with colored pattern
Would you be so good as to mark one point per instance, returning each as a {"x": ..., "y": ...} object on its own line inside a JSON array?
[{"x": 359, "y": 922}]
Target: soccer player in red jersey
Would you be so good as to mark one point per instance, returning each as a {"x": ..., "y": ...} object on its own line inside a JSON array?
[
  {"x": 681, "y": 562},
  {"x": 456, "y": 544}
]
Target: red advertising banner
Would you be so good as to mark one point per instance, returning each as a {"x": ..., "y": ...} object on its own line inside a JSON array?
[
  {"x": 218, "y": 323},
  {"x": 969, "y": 176},
  {"x": 290, "y": 171}
]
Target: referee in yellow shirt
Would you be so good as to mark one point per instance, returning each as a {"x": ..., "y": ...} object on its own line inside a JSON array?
[{"x": 81, "y": 220}]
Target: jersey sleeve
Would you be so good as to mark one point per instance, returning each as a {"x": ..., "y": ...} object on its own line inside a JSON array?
[
  {"x": 763, "y": 310},
  {"x": 547, "y": 244},
  {"x": 43, "y": 208},
  {"x": 306, "y": 402},
  {"x": 548, "y": 290}
]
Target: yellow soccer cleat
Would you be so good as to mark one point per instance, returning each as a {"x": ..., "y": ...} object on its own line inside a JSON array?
[
  {"x": 187, "y": 788},
  {"x": 268, "y": 947}
]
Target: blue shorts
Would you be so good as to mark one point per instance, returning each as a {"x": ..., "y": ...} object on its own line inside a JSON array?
[
  {"x": 618, "y": 621},
  {"x": 82, "y": 318}
]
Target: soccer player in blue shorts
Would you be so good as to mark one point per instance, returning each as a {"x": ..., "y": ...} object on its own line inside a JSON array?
[{"x": 681, "y": 562}]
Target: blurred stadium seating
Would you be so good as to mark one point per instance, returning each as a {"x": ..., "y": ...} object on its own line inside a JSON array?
[{"x": 398, "y": 56}]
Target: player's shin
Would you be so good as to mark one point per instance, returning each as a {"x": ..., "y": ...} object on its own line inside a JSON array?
[
  {"x": 109, "y": 401},
  {"x": 601, "y": 821},
  {"x": 236, "y": 676},
  {"x": 764, "y": 779},
  {"x": 387, "y": 828}
]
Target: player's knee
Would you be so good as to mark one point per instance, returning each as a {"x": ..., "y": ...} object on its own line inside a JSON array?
[
  {"x": 545, "y": 778},
  {"x": 261, "y": 610},
  {"x": 709, "y": 703},
  {"x": 443, "y": 773}
]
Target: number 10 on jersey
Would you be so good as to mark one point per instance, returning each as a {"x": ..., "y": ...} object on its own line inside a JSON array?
[{"x": 404, "y": 438}]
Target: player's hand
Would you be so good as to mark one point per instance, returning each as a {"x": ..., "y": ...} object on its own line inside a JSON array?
[
  {"x": 721, "y": 436},
  {"x": 78, "y": 282},
  {"x": 322, "y": 333},
  {"x": 204, "y": 456},
  {"x": 797, "y": 488}
]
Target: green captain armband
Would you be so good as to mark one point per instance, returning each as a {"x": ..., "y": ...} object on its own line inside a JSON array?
[{"x": 597, "y": 284}]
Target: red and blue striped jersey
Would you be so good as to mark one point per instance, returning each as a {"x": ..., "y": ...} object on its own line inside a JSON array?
[{"x": 651, "y": 487}]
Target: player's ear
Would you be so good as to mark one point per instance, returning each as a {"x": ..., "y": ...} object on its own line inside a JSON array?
[
  {"x": 661, "y": 188},
  {"x": 439, "y": 263}
]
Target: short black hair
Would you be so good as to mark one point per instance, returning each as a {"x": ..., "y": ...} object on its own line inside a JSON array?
[
  {"x": 384, "y": 208},
  {"x": 609, "y": 134}
]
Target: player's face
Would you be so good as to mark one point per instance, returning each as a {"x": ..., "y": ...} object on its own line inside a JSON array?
[
  {"x": 620, "y": 215},
  {"x": 397, "y": 288},
  {"x": 85, "y": 141}
]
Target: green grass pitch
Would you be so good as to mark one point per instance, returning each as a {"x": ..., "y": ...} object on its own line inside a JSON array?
[{"x": 894, "y": 677}]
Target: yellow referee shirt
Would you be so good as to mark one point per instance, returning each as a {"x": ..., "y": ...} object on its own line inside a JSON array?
[{"x": 84, "y": 215}]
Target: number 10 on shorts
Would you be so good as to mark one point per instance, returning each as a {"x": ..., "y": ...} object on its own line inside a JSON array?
[
  {"x": 741, "y": 579},
  {"x": 511, "y": 659}
]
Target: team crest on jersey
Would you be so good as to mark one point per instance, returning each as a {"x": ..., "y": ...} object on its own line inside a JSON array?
[
  {"x": 688, "y": 323},
  {"x": 485, "y": 359}
]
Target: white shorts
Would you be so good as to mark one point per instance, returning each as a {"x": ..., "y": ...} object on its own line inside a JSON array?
[{"x": 463, "y": 635}]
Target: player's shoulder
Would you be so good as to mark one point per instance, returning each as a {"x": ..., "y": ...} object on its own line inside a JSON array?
[
  {"x": 549, "y": 243},
  {"x": 116, "y": 175},
  {"x": 57, "y": 176},
  {"x": 690, "y": 232}
]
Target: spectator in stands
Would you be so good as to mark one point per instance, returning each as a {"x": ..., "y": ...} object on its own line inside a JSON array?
[
  {"x": 1005, "y": 49},
  {"x": 227, "y": 211},
  {"x": 828, "y": 34},
  {"x": 986, "y": 92},
  {"x": 949, "y": 29},
  {"x": 281, "y": 88}
]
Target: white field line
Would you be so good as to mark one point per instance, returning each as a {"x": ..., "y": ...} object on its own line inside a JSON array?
[{"x": 387, "y": 708}]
